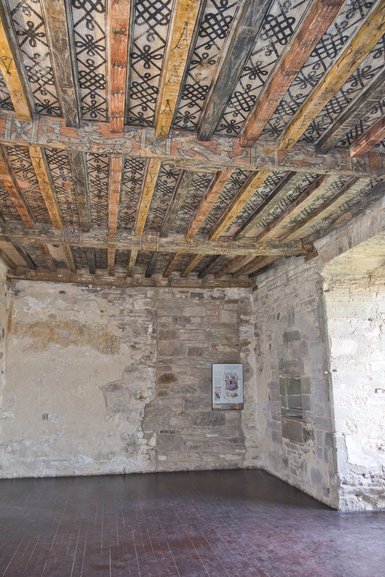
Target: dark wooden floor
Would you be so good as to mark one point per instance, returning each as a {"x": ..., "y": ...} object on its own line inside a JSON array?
[{"x": 208, "y": 524}]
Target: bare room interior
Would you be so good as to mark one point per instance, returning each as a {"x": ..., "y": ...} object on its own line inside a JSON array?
[{"x": 192, "y": 288}]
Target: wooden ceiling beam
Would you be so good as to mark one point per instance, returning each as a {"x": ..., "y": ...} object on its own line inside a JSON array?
[
  {"x": 119, "y": 19},
  {"x": 239, "y": 45},
  {"x": 12, "y": 255},
  {"x": 8, "y": 180},
  {"x": 12, "y": 69},
  {"x": 80, "y": 185},
  {"x": 355, "y": 52},
  {"x": 367, "y": 141},
  {"x": 317, "y": 20},
  {"x": 153, "y": 169},
  {"x": 256, "y": 265},
  {"x": 101, "y": 279},
  {"x": 352, "y": 114},
  {"x": 183, "y": 149},
  {"x": 209, "y": 268},
  {"x": 172, "y": 264},
  {"x": 194, "y": 261},
  {"x": 239, "y": 202},
  {"x": 184, "y": 18},
  {"x": 98, "y": 238},
  {"x": 60, "y": 48},
  {"x": 235, "y": 264},
  {"x": 114, "y": 189}
]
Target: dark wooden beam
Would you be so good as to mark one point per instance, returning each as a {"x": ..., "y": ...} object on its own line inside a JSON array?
[
  {"x": 91, "y": 260},
  {"x": 240, "y": 44},
  {"x": 355, "y": 52},
  {"x": 123, "y": 281},
  {"x": 80, "y": 185},
  {"x": 9, "y": 181},
  {"x": 62, "y": 60},
  {"x": 99, "y": 239},
  {"x": 317, "y": 20},
  {"x": 367, "y": 141},
  {"x": 183, "y": 149},
  {"x": 352, "y": 114}
]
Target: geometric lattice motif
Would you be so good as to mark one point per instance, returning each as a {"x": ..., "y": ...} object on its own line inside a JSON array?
[
  {"x": 151, "y": 20},
  {"x": 5, "y": 99},
  {"x": 229, "y": 192},
  {"x": 62, "y": 179},
  {"x": 297, "y": 185},
  {"x": 166, "y": 186},
  {"x": 278, "y": 27},
  {"x": 98, "y": 172},
  {"x": 27, "y": 182},
  {"x": 259, "y": 196},
  {"x": 39, "y": 254},
  {"x": 381, "y": 145},
  {"x": 374, "y": 113},
  {"x": 353, "y": 87},
  {"x": 80, "y": 258},
  {"x": 318, "y": 64},
  {"x": 121, "y": 260},
  {"x": 101, "y": 258},
  {"x": 89, "y": 22},
  {"x": 132, "y": 182},
  {"x": 7, "y": 207},
  {"x": 213, "y": 30},
  {"x": 199, "y": 185},
  {"x": 28, "y": 23}
]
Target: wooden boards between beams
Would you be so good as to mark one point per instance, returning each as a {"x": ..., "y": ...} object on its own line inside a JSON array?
[
  {"x": 367, "y": 141},
  {"x": 119, "y": 29},
  {"x": 315, "y": 23},
  {"x": 185, "y": 13},
  {"x": 11, "y": 72},
  {"x": 355, "y": 52},
  {"x": 241, "y": 41}
]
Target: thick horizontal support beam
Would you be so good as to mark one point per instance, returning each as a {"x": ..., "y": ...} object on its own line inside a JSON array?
[
  {"x": 136, "y": 281},
  {"x": 183, "y": 149},
  {"x": 99, "y": 238}
]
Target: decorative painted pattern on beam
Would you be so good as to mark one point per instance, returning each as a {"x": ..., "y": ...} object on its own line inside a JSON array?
[
  {"x": 151, "y": 178},
  {"x": 183, "y": 149},
  {"x": 119, "y": 18},
  {"x": 355, "y": 52},
  {"x": 370, "y": 139}
]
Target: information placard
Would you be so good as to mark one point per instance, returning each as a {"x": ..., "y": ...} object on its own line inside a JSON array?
[{"x": 227, "y": 386}]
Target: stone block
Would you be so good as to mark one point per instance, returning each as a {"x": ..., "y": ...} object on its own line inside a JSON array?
[{"x": 292, "y": 430}]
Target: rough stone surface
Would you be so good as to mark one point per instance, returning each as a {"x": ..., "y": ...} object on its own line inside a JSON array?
[
  {"x": 291, "y": 353},
  {"x": 115, "y": 380}
]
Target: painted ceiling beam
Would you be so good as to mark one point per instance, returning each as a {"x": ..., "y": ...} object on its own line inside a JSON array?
[
  {"x": 12, "y": 69},
  {"x": 62, "y": 60},
  {"x": 352, "y": 114},
  {"x": 114, "y": 189},
  {"x": 355, "y": 52},
  {"x": 317, "y": 20},
  {"x": 184, "y": 18},
  {"x": 367, "y": 141},
  {"x": 119, "y": 21},
  {"x": 240, "y": 43},
  {"x": 149, "y": 242},
  {"x": 183, "y": 149},
  {"x": 101, "y": 279}
]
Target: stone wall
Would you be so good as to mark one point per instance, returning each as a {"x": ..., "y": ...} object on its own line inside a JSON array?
[
  {"x": 115, "y": 380},
  {"x": 292, "y": 363},
  {"x": 356, "y": 326},
  {"x": 3, "y": 339}
]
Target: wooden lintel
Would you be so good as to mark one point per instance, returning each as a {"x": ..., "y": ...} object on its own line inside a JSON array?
[
  {"x": 184, "y": 17},
  {"x": 62, "y": 62},
  {"x": 8, "y": 180},
  {"x": 119, "y": 24},
  {"x": 208, "y": 202},
  {"x": 239, "y": 202},
  {"x": 147, "y": 193},
  {"x": 353, "y": 113},
  {"x": 194, "y": 261},
  {"x": 99, "y": 239},
  {"x": 80, "y": 184},
  {"x": 352, "y": 56},
  {"x": 239, "y": 45},
  {"x": 42, "y": 174},
  {"x": 100, "y": 279},
  {"x": 183, "y": 149},
  {"x": 315, "y": 23},
  {"x": 367, "y": 141},
  {"x": 11, "y": 69}
]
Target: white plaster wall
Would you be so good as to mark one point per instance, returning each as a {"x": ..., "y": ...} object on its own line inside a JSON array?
[{"x": 356, "y": 326}]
